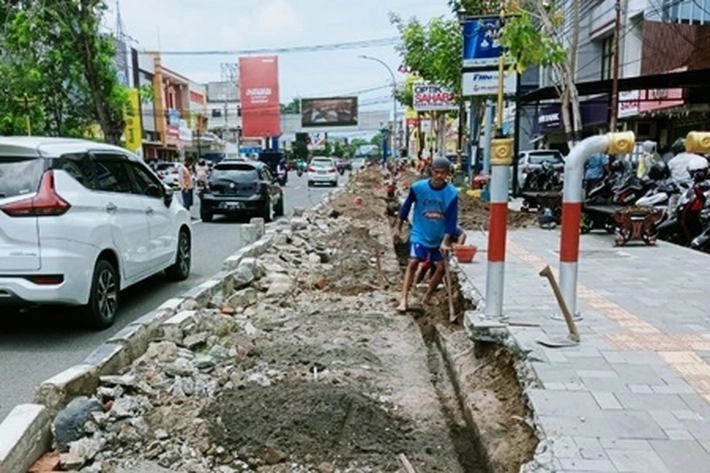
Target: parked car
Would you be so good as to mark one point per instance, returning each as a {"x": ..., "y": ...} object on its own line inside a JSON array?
[
  {"x": 528, "y": 161},
  {"x": 81, "y": 221},
  {"x": 241, "y": 188},
  {"x": 169, "y": 173},
  {"x": 323, "y": 171}
]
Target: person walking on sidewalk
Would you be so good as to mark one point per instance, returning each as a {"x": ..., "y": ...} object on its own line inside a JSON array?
[
  {"x": 434, "y": 203},
  {"x": 186, "y": 184}
]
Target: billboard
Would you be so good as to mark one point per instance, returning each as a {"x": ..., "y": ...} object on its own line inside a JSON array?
[
  {"x": 259, "y": 91},
  {"x": 133, "y": 133},
  {"x": 431, "y": 97},
  {"x": 486, "y": 83},
  {"x": 330, "y": 111},
  {"x": 480, "y": 42}
]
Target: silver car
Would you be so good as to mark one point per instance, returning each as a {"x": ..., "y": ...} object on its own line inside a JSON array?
[
  {"x": 529, "y": 161},
  {"x": 169, "y": 173},
  {"x": 323, "y": 171}
]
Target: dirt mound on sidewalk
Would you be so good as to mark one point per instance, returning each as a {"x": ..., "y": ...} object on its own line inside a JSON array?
[
  {"x": 303, "y": 419},
  {"x": 474, "y": 215}
]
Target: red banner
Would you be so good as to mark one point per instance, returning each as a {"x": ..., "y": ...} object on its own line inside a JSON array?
[{"x": 259, "y": 83}]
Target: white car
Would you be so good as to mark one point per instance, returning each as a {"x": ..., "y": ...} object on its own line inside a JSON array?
[
  {"x": 322, "y": 171},
  {"x": 169, "y": 173},
  {"x": 80, "y": 221}
]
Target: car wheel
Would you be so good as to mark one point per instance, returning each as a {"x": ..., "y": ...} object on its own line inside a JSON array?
[
  {"x": 267, "y": 212},
  {"x": 279, "y": 209},
  {"x": 183, "y": 260},
  {"x": 100, "y": 312},
  {"x": 206, "y": 217}
]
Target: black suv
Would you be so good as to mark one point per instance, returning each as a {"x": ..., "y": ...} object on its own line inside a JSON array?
[{"x": 241, "y": 188}]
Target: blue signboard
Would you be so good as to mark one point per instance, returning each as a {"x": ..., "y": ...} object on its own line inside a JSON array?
[{"x": 480, "y": 42}]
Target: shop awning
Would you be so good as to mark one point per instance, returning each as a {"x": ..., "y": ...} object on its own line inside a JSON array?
[{"x": 669, "y": 80}]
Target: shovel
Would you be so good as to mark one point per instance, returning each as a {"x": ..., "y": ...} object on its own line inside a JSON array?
[
  {"x": 573, "y": 339},
  {"x": 447, "y": 275}
]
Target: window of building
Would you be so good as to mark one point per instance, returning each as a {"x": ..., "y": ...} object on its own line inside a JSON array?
[
  {"x": 216, "y": 113},
  {"x": 607, "y": 57}
]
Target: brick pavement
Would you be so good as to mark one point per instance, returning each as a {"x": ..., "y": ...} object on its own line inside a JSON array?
[{"x": 634, "y": 396}]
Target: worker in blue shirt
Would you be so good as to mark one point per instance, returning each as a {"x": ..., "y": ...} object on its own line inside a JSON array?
[{"x": 434, "y": 203}]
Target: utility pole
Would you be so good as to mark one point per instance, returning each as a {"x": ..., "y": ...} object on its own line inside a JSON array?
[{"x": 615, "y": 69}]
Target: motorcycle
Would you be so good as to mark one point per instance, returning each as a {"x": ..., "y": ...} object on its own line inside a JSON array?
[
  {"x": 544, "y": 178},
  {"x": 282, "y": 177},
  {"x": 687, "y": 222}
]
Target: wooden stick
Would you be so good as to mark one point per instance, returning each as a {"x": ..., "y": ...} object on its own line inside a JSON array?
[
  {"x": 405, "y": 463},
  {"x": 571, "y": 326},
  {"x": 447, "y": 274}
]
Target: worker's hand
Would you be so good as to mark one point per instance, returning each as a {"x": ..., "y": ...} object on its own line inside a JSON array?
[
  {"x": 445, "y": 249},
  {"x": 397, "y": 233}
]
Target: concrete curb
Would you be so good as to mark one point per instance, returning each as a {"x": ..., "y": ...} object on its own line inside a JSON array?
[
  {"x": 481, "y": 329},
  {"x": 25, "y": 434}
]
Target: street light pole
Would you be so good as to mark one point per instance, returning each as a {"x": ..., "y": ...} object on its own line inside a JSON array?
[
  {"x": 615, "y": 69},
  {"x": 394, "y": 96}
]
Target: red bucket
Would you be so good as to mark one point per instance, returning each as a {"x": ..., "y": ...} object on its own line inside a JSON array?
[{"x": 465, "y": 253}]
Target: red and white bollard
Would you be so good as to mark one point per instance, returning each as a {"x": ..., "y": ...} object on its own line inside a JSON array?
[
  {"x": 611, "y": 143},
  {"x": 501, "y": 160}
]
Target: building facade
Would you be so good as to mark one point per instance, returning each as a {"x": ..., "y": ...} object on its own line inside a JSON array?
[{"x": 656, "y": 37}]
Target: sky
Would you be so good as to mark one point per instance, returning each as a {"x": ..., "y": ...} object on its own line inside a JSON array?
[{"x": 232, "y": 25}]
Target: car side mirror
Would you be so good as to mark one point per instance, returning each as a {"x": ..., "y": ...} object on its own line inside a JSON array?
[
  {"x": 154, "y": 190},
  {"x": 168, "y": 194}
]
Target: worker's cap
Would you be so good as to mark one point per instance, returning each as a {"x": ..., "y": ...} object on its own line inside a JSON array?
[{"x": 441, "y": 163}]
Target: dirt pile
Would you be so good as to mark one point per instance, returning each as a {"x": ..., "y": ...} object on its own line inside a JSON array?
[{"x": 474, "y": 214}]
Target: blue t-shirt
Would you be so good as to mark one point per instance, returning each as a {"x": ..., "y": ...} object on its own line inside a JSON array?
[
  {"x": 435, "y": 212},
  {"x": 595, "y": 166}
]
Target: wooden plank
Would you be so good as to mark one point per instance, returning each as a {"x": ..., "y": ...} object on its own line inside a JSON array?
[{"x": 405, "y": 463}]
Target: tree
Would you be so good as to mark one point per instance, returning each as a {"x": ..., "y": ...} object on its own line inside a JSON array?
[
  {"x": 536, "y": 36},
  {"x": 339, "y": 150},
  {"x": 57, "y": 57},
  {"x": 293, "y": 107}
]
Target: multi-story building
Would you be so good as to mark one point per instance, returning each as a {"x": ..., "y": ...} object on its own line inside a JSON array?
[
  {"x": 224, "y": 110},
  {"x": 656, "y": 37}
]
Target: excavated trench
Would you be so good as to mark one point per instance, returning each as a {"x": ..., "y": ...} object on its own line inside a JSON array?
[{"x": 477, "y": 386}]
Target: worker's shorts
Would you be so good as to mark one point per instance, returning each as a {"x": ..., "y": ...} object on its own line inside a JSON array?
[{"x": 422, "y": 253}]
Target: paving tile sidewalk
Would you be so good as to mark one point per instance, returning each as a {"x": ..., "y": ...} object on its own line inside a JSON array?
[{"x": 634, "y": 396}]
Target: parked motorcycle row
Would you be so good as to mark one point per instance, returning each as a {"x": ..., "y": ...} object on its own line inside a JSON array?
[
  {"x": 678, "y": 190},
  {"x": 545, "y": 177}
]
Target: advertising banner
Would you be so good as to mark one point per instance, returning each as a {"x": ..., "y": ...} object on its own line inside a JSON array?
[
  {"x": 480, "y": 42},
  {"x": 431, "y": 97},
  {"x": 549, "y": 118},
  {"x": 486, "y": 83},
  {"x": 133, "y": 133},
  {"x": 259, "y": 80},
  {"x": 330, "y": 111}
]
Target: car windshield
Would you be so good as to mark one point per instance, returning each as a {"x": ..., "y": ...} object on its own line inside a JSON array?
[
  {"x": 322, "y": 163},
  {"x": 550, "y": 158},
  {"x": 235, "y": 172},
  {"x": 19, "y": 176}
]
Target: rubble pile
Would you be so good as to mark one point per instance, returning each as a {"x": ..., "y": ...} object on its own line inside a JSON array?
[
  {"x": 304, "y": 367},
  {"x": 474, "y": 214}
]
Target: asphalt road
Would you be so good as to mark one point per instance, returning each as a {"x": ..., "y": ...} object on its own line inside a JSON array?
[{"x": 39, "y": 344}]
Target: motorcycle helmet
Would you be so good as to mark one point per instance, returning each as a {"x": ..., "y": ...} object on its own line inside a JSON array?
[
  {"x": 698, "y": 168},
  {"x": 678, "y": 146},
  {"x": 659, "y": 171},
  {"x": 618, "y": 166}
]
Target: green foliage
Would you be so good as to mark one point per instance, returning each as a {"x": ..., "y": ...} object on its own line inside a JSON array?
[
  {"x": 354, "y": 145},
  {"x": 475, "y": 7},
  {"x": 432, "y": 50},
  {"x": 326, "y": 151},
  {"x": 146, "y": 93},
  {"x": 54, "y": 55},
  {"x": 339, "y": 150},
  {"x": 531, "y": 45},
  {"x": 377, "y": 140},
  {"x": 293, "y": 107}
]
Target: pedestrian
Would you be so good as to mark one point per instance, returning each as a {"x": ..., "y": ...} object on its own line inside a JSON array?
[
  {"x": 649, "y": 157},
  {"x": 186, "y": 184},
  {"x": 597, "y": 168},
  {"x": 434, "y": 203},
  {"x": 202, "y": 171}
]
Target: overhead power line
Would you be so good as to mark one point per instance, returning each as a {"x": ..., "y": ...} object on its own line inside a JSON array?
[{"x": 369, "y": 43}]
